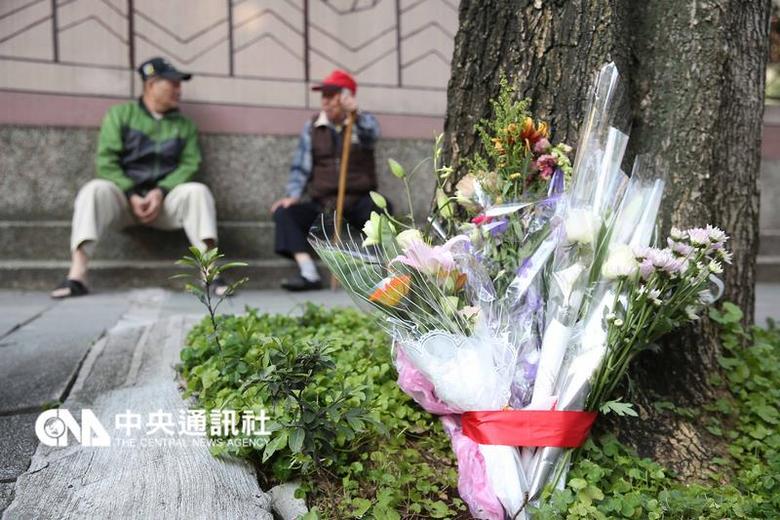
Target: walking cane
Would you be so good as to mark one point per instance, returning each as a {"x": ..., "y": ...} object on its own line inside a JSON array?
[{"x": 346, "y": 144}]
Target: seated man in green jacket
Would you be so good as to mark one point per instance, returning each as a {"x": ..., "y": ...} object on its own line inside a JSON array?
[{"x": 147, "y": 153}]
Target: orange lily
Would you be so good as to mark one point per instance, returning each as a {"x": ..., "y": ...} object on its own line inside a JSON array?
[
  {"x": 532, "y": 133},
  {"x": 391, "y": 290}
]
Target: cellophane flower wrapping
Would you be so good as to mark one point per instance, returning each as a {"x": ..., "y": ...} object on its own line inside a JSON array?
[{"x": 522, "y": 291}]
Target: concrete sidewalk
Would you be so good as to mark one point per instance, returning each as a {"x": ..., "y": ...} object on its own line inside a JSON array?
[
  {"x": 105, "y": 351},
  {"x": 79, "y": 352}
]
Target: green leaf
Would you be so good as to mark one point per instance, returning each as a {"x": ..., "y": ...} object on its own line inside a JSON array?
[
  {"x": 232, "y": 265},
  {"x": 360, "y": 506},
  {"x": 209, "y": 377},
  {"x": 577, "y": 484},
  {"x": 439, "y": 510},
  {"x": 279, "y": 441},
  {"x": 311, "y": 515},
  {"x": 767, "y": 413},
  {"x": 618, "y": 407},
  {"x": 296, "y": 440}
]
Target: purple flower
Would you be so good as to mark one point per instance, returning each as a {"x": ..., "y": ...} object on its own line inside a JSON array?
[
  {"x": 664, "y": 259},
  {"x": 646, "y": 268},
  {"x": 680, "y": 248},
  {"x": 699, "y": 236},
  {"x": 497, "y": 227}
]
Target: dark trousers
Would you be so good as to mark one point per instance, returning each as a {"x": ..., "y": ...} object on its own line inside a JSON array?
[{"x": 294, "y": 222}]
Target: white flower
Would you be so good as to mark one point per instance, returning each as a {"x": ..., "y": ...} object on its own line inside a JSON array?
[
  {"x": 621, "y": 263},
  {"x": 716, "y": 235},
  {"x": 725, "y": 256},
  {"x": 466, "y": 187},
  {"x": 406, "y": 237},
  {"x": 469, "y": 312},
  {"x": 690, "y": 311},
  {"x": 677, "y": 234},
  {"x": 580, "y": 227},
  {"x": 375, "y": 228},
  {"x": 618, "y": 322},
  {"x": 715, "y": 267},
  {"x": 654, "y": 296}
]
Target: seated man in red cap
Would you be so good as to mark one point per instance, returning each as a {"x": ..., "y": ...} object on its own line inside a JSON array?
[{"x": 315, "y": 171}]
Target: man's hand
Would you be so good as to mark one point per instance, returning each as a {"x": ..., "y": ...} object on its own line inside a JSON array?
[
  {"x": 286, "y": 202},
  {"x": 348, "y": 102},
  {"x": 147, "y": 209},
  {"x": 139, "y": 205}
]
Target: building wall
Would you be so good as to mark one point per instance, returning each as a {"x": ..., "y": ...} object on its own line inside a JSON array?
[
  {"x": 64, "y": 62},
  {"x": 254, "y": 60}
]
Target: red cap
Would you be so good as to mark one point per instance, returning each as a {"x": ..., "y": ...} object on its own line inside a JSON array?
[{"x": 337, "y": 79}]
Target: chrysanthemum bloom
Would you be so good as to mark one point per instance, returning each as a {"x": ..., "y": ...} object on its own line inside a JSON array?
[
  {"x": 546, "y": 165},
  {"x": 542, "y": 145}
]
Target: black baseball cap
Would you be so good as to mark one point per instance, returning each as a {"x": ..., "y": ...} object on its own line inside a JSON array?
[{"x": 159, "y": 67}]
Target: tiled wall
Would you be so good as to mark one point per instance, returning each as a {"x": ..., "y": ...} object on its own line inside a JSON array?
[{"x": 258, "y": 53}]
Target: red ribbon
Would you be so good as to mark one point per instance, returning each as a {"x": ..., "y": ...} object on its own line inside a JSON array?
[{"x": 556, "y": 428}]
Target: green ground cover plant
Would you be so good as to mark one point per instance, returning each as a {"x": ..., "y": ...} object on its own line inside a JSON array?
[
  {"x": 339, "y": 422},
  {"x": 363, "y": 449}
]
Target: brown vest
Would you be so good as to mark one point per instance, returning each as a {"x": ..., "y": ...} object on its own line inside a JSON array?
[{"x": 326, "y": 158}]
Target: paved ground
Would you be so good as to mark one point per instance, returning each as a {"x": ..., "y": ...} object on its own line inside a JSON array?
[{"x": 46, "y": 345}]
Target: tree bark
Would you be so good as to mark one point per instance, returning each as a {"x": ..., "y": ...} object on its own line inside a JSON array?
[{"x": 695, "y": 73}]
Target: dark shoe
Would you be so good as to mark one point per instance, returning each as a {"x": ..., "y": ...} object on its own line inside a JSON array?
[
  {"x": 299, "y": 283},
  {"x": 69, "y": 288}
]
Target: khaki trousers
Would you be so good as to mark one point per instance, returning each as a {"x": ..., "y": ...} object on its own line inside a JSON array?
[{"x": 101, "y": 205}]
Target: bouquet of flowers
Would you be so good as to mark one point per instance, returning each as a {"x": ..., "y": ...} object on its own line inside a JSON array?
[{"x": 515, "y": 315}]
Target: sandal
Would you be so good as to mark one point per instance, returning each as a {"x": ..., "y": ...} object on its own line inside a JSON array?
[{"x": 69, "y": 288}]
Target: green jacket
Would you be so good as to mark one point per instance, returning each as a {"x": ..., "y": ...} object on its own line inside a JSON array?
[{"x": 138, "y": 152}]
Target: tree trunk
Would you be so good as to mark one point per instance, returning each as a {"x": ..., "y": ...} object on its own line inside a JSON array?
[{"x": 695, "y": 73}]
